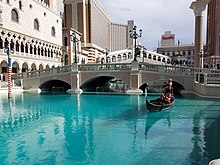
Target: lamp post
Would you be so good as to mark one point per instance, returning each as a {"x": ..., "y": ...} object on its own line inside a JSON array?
[
  {"x": 201, "y": 53},
  {"x": 7, "y": 50},
  {"x": 106, "y": 54},
  {"x": 75, "y": 40},
  {"x": 134, "y": 34},
  {"x": 144, "y": 53}
]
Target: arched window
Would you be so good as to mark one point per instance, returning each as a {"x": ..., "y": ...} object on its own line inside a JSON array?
[
  {"x": 31, "y": 49},
  {"x": 53, "y": 32},
  {"x": 17, "y": 46},
  {"x": 42, "y": 52},
  {"x": 38, "y": 49},
  {"x": 65, "y": 41},
  {"x": 184, "y": 52},
  {"x": 36, "y": 24},
  {"x": 22, "y": 47},
  {"x": 6, "y": 42},
  {"x": 1, "y": 43},
  {"x": 20, "y": 5},
  {"x": 45, "y": 52},
  {"x": 66, "y": 60},
  {"x": 48, "y": 53},
  {"x": 26, "y": 48},
  {"x": 12, "y": 45},
  {"x": 14, "y": 15},
  {"x": 35, "y": 50}
]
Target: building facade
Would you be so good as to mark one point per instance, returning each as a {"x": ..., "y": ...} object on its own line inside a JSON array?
[
  {"x": 213, "y": 33},
  {"x": 182, "y": 55},
  {"x": 99, "y": 34},
  {"x": 33, "y": 30},
  {"x": 89, "y": 18},
  {"x": 118, "y": 36},
  {"x": 168, "y": 39}
]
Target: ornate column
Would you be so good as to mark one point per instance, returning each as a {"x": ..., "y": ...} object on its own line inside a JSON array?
[{"x": 198, "y": 8}]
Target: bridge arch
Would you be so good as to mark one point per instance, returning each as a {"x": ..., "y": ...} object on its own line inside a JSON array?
[
  {"x": 104, "y": 83},
  {"x": 54, "y": 86}
]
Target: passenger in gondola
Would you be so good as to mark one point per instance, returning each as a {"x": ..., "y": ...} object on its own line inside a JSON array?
[
  {"x": 169, "y": 91},
  {"x": 166, "y": 96}
]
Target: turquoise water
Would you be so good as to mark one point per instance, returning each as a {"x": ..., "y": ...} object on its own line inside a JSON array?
[{"x": 105, "y": 129}]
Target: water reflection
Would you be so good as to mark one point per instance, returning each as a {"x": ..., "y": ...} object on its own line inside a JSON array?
[
  {"x": 206, "y": 135},
  {"x": 153, "y": 117},
  {"x": 84, "y": 129}
]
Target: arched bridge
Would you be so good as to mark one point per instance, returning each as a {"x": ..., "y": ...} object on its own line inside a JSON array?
[{"x": 128, "y": 77}]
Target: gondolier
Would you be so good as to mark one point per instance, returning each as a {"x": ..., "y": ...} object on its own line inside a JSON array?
[{"x": 165, "y": 101}]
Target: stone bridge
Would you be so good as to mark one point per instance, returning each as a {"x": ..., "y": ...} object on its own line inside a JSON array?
[{"x": 129, "y": 77}]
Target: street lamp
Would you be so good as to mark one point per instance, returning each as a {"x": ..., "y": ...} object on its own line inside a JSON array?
[
  {"x": 75, "y": 40},
  {"x": 135, "y": 36},
  {"x": 106, "y": 54},
  {"x": 144, "y": 53},
  {"x": 7, "y": 50},
  {"x": 201, "y": 53}
]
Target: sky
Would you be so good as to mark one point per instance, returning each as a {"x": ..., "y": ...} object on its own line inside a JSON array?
[{"x": 155, "y": 17}]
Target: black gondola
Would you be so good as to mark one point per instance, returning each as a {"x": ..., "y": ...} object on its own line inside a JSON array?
[{"x": 155, "y": 106}]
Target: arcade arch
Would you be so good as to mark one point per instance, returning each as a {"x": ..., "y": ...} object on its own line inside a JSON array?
[
  {"x": 15, "y": 67},
  {"x": 24, "y": 67}
]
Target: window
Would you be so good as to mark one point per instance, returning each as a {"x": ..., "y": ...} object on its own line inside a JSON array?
[
  {"x": 22, "y": 47},
  {"x": 20, "y": 5},
  {"x": 7, "y": 1},
  {"x": 65, "y": 41},
  {"x": 17, "y": 46},
  {"x": 184, "y": 52},
  {"x": 66, "y": 60},
  {"x": 36, "y": 24},
  {"x": 189, "y": 52},
  {"x": 1, "y": 43},
  {"x": 14, "y": 15},
  {"x": 12, "y": 45},
  {"x": 53, "y": 32}
]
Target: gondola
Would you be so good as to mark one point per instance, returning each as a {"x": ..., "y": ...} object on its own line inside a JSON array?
[{"x": 155, "y": 107}]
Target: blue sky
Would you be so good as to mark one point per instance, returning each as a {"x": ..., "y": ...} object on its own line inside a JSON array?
[{"x": 155, "y": 17}]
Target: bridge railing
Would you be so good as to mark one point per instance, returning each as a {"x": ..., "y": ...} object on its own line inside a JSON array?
[
  {"x": 206, "y": 76},
  {"x": 43, "y": 72},
  {"x": 168, "y": 69},
  {"x": 102, "y": 67}
]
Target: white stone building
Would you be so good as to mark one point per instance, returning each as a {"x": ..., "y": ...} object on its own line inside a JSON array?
[{"x": 33, "y": 29}]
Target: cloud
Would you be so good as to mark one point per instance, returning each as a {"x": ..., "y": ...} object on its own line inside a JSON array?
[{"x": 125, "y": 9}]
